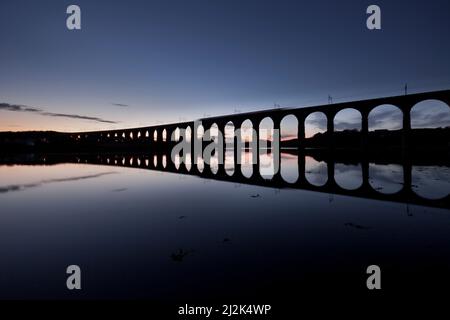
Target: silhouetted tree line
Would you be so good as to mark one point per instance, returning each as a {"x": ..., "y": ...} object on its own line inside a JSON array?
[
  {"x": 50, "y": 141},
  {"x": 379, "y": 139}
]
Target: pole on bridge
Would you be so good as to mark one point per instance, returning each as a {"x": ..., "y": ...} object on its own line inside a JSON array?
[{"x": 301, "y": 133}]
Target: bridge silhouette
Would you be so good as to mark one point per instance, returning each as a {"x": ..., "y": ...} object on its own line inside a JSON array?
[
  {"x": 154, "y": 143},
  {"x": 158, "y": 136}
]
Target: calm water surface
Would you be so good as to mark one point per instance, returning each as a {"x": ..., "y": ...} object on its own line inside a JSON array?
[{"x": 146, "y": 234}]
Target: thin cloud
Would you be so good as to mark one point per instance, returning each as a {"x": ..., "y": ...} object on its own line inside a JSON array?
[
  {"x": 318, "y": 121},
  {"x": 120, "y": 105},
  {"x": 17, "y": 108},
  {"x": 76, "y": 116},
  {"x": 425, "y": 120},
  {"x": 22, "y": 187},
  {"x": 390, "y": 118},
  {"x": 22, "y": 108}
]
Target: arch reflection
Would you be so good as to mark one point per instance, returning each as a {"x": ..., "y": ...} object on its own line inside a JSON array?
[{"x": 421, "y": 181}]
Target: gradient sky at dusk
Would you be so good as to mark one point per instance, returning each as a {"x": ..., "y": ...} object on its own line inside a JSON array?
[{"x": 138, "y": 63}]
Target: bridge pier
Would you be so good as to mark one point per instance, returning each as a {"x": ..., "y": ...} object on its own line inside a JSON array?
[
  {"x": 221, "y": 148},
  {"x": 236, "y": 153},
  {"x": 364, "y": 128},
  {"x": 196, "y": 145},
  {"x": 407, "y": 178},
  {"x": 406, "y": 126},
  {"x": 301, "y": 163},
  {"x": 330, "y": 128},
  {"x": 301, "y": 131},
  {"x": 254, "y": 148},
  {"x": 331, "y": 181}
]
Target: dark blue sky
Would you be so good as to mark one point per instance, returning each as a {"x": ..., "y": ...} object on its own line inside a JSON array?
[{"x": 175, "y": 60}]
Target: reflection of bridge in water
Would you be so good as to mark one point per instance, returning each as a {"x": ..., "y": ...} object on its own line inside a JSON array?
[
  {"x": 157, "y": 139},
  {"x": 163, "y": 163}
]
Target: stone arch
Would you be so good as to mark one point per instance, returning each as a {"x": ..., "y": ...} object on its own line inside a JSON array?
[
  {"x": 289, "y": 167},
  {"x": 316, "y": 172},
  {"x": 289, "y": 141},
  {"x": 348, "y": 176},
  {"x": 200, "y": 164},
  {"x": 200, "y": 132},
  {"x": 177, "y": 161},
  {"x": 347, "y": 125},
  {"x": 386, "y": 178},
  {"x": 289, "y": 130},
  {"x": 214, "y": 131},
  {"x": 247, "y": 156},
  {"x": 385, "y": 126},
  {"x": 246, "y": 130},
  {"x": 315, "y": 124},
  {"x": 265, "y": 128},
  {"x": 229, "y": 148},
  {"x": 265, "y": 136},
  {"x": 176, "y": 134},
  {"x": 229, "y": 133},
  {"x": 187, "y": 157},
  {"x": 348, "y": 119},
  {"x": 430, "y": 114},
  {"x": 385, "y": 117},
  {"x": 188, "y": 134},
  {"x": 430, "y": 182}
]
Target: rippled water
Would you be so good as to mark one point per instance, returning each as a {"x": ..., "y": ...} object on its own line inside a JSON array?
[{"x": 140, "y": 233}]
